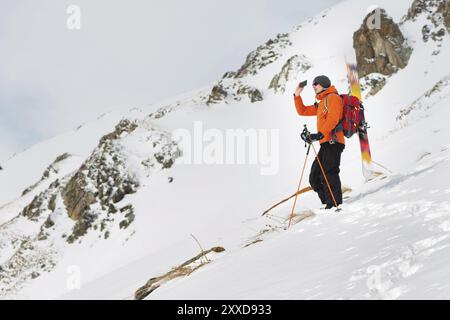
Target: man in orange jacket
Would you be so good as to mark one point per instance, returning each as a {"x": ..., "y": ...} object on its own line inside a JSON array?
[{"x": 329, "y": 111}]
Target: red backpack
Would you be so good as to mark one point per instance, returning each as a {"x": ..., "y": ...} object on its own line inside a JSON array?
[{"x": 353, "y": 116}]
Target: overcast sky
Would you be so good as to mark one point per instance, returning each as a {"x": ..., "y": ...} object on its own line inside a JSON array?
[{"x": 127, "y": 53}]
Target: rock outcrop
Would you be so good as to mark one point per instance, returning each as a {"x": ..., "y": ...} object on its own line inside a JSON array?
[
  {"x": 101, "y": 176},
  {"x": 218, "y": 93},
  {"x": 92, "y": 194},
  {"x": 233, "y": 86},
  {"x": 373, "y": 83},
  {"x": 380, "y": 50},
  {"x": 263, "y": 56},
  {"x": 444, "y": 9},
  {"x": 41, "y": 202},
  {"x": 437, "y": 15},
  {"x": 292, "y": 68},
  {"x": 234, "y": 90}
]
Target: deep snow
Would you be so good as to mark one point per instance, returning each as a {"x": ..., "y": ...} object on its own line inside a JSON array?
[{"x": 391, "y": 240}]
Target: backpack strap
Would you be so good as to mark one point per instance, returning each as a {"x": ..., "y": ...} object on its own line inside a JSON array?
[
  {"x": 339, "y": 127},
  {"x": 326, "y": 101}
]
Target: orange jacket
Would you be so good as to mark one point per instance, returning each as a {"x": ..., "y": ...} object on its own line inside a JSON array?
[{"x": 327, "y": 120}]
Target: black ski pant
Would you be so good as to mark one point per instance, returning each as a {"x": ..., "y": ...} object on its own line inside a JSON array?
[{"x": 330, "y": 157}]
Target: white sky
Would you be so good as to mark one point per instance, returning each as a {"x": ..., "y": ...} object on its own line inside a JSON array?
[{"x": 127, "y": 53}]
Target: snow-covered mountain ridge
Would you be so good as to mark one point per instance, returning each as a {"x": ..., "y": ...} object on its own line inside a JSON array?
[{"x": 110, "y": 206}]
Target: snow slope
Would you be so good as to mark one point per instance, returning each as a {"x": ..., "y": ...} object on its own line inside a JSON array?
[{"x": 390, "y": 241}]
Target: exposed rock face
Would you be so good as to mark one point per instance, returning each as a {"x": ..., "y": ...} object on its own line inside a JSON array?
[
  {"x": 94, "y": 191},
  {"x": 123, "y": 127},
  {"x": 128, "y": 216},
  {"x": 229, "y": 74},
  {"x": 233, "y": 89},
  {"x": 43, "y": 200},
  {"x": 161, "y": 112},
  {"x": 382, "y": 50},
  {"x": 253, "y": 94},
  {"x": 418, "y": 7},
  {"x": 218, "y": 94},
  {"x": 232, "y": 86},
  {"x": 76, "y": 198},
  {"x": 437, "y": 13},
  {"x": 444, "y": 9},
  {"x": 103, "y": 177},
  {"x": 101, "y": 169},
  {"x": 293, "y": 66},
  {"x": 373, "y": 82},
  {"x": 436, "y": 10},
  {"x": 263, "y": 55}
]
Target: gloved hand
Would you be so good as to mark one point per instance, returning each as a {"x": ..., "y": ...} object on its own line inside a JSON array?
[{"x": 310, "y": 138}]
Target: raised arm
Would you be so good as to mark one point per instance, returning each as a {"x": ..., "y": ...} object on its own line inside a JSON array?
[{"x": 302, "y": 109}]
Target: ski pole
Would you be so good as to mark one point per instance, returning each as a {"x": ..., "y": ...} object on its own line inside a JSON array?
[
  {"x": 325, "y": 176},
  {"x": 299, "y": 184}
]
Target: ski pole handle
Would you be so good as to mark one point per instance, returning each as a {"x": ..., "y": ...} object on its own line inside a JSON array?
[{"x": 305, "y": 134}]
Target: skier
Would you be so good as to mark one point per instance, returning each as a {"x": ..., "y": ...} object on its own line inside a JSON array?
[{"x": 329, "y": 111}]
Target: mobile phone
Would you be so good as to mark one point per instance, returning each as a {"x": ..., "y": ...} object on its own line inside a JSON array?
[{"x": 303, "y": 83}]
